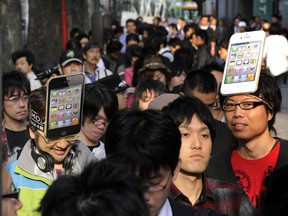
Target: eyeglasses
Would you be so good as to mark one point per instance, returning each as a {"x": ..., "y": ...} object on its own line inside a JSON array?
[
  {"x": 214, "y": 105},
  {"x": 66, "y": 138},
  {"x": 245, "y": 105},
  {"x": 13, "y": 195},
  {"x": 157, "y": 188},
  {"x": 16, "y": 99}
]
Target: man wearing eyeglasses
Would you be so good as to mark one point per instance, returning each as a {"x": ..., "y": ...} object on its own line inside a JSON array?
[
  {"x": 250, "y": 117},
  {"x": 148, "y": 143},
  {"x": 43, "y": 160},
  {"x": 100, "y": 105},
  {"x": 15, "y": 96},
  {"x": 203, "y": 85}
]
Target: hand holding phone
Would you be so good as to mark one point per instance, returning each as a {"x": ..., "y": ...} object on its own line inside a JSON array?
[{"x": 243, "y": 64}]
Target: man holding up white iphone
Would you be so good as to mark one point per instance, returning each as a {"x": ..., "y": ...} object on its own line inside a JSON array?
[
  {"x": 50, "y": 152},
  {"x": 250, "y": 117}
]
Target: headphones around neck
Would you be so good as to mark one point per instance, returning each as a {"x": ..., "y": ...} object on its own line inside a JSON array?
[{"x": 45, "y": 162}]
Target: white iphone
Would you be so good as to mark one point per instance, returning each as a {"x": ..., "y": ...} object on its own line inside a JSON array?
[{"x": 243, "y": 64}]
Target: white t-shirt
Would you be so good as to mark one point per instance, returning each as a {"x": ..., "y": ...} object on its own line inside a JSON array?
[
  {"x": 166, "y": 209},
  {"x": 34, "y": 84}
]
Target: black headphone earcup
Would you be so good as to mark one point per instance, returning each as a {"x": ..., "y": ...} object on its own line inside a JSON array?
[
  {"x": 69, "y": 161},
  {"x": 43, "y": 160}
]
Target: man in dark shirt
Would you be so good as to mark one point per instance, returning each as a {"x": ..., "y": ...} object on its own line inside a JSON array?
[{"x": 15, "y": 96}]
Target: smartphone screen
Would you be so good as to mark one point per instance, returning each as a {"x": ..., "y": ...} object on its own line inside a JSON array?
[
  {"x": 242, "y": 62},
  {"x": 64, "y": 106}
]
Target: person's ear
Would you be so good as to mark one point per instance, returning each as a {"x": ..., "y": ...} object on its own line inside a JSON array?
[
  {"x": 270, "y": 115},
  {"x": 176, "y": 170}
]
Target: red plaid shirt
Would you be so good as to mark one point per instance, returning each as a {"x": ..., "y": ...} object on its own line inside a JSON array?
[{"x": 221, "y": 196}]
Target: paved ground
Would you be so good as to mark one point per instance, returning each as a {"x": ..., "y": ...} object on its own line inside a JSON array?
[{"x": 281, "y": 123}]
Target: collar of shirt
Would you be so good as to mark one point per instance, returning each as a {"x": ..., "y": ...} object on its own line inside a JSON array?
[
  {"x": 31, "y": 75},
  {"x": 166, "y": 209},
  {"x": 92, "y": 77},
  {"x": 206, "y": 193}
]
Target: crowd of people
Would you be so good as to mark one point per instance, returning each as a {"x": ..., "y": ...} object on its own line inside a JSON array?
[{"x": 157, "y": 138}]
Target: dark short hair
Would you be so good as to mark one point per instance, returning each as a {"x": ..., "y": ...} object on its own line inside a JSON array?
[
  {"x": 202, "y": 80},
  {"x": 74, "y": 31},
  {"x": 143, "y": 140},
  {"x": 96, "y": 97},
  {"x": 104, "y": 188},
  {"x": 213, "y": 66},
  {"x": 202, "y": 34},
  {"x": 133, "y": 50},
  {"x": 175, "y": 42},
  {"x": 184, "y": 108},
  {"x": 91, "y": 44},
  {"x": 173, "y": 26},
  {"x": 148, "y": 85},
  {"x": 130, "y": 21},
  {"x": 81, "y": 35},
  {"x": 132, "y": 37},
  {"x": 269, "y": 91},
  {"x": 177, "y": 68},
  {"x": 23, "y": 53},
  {"x": 114, "y": 46},
  {"x": 224, "y": 43},
  {"x": 13, "y": 81}
]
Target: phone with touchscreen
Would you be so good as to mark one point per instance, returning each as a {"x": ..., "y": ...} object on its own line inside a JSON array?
[
  {"x": 243, "y": 64},
  {"x": 64, "y": 105}
]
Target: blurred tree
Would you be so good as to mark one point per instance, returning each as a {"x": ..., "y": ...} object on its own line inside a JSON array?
[
  {"x": 44, "y": 28},
  {"x": 10, "y": 30}
]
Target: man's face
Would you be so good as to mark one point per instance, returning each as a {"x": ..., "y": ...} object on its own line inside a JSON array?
[
  {"x": 15, "y": 106},
  {"x": 95, "y": 128},
  {"x": 204, "y": 21},
  {"x": 199, "y": 41},
  {"x": 247, "y": 124},
  {"x": 22, "y": 65},
  {"x": 156, "y": 199},
  {"x": 223, "y": 53},
  {"x": 92, "y": 56},
  {"x": 196, "y": 146},
  {"x": 57, "y": 149},
  {"x": 155, "y": 22},
  {"x": 9, "y": 205},
  {"x": 122, "y": 100},
  {"x": 131, "y": 27},
  {"x": 72, "y": 68}
]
